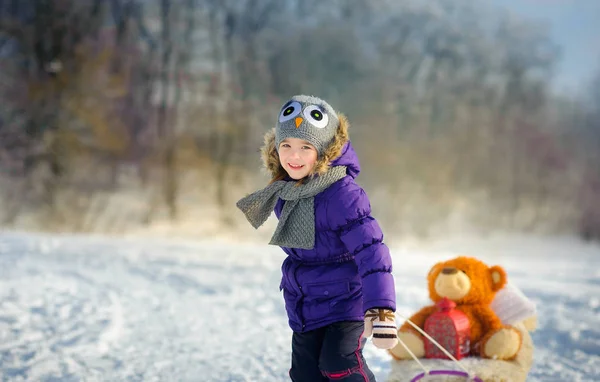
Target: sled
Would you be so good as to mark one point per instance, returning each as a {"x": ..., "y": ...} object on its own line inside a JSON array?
[{"x": 513, "y": 308}]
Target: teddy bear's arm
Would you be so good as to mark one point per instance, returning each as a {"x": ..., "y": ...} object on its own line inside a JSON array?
[
  {"x": 418, "y": 319},
  {"x": 488, "y": 319}
]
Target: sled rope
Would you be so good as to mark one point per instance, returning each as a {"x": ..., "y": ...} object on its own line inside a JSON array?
[
  {"x": 426, "y": 371},
  {"x": 414, "y": 357}
]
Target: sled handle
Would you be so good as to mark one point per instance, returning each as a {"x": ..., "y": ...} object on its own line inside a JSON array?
[{"x": 455, "y": 373}]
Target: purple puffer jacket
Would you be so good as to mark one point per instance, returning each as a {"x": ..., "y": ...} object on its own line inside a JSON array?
[{"x": 349, "y": 269}]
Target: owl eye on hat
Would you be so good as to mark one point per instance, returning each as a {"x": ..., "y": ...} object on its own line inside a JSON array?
[{"x": 308, "y": 118}]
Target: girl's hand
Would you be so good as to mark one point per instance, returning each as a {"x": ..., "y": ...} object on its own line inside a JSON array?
[{"x": 381, "y": 323}]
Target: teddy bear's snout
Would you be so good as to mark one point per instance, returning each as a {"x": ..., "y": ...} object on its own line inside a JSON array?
[
  {"x": 449, "y": 270},
  {"x": 452, "y": 283}
]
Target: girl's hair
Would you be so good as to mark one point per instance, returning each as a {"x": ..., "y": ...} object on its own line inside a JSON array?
[{"x": 277, "y": 177}]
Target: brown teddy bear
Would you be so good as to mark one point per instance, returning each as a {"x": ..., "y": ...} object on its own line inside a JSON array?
[{"x": 471, "y": 285}]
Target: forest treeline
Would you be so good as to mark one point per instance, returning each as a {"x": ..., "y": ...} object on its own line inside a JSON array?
[{"x": 124, "y": 113}]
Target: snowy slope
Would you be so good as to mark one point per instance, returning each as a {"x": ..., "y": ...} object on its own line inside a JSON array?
[{"x": 100, "y": 309}]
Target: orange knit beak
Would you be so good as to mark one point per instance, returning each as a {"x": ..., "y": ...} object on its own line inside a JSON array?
[{"x": 298, "y": 121}]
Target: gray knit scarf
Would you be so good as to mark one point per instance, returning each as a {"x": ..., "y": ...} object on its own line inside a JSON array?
[{"x": 296, "y": 227}]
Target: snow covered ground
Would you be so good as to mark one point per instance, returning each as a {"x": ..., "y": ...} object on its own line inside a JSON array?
[{"x": 102, "y": 309}]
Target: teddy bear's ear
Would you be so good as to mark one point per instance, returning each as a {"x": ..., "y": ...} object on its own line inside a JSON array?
[{"x": 498, "y": 277}]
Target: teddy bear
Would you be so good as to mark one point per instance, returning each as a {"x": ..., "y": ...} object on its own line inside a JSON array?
[{"x": 471, "y": 286}]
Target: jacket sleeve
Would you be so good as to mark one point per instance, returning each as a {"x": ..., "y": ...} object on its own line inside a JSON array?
[{"x": 349, "y": 214}]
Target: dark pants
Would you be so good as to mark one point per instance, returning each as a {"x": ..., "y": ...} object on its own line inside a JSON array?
[{"x": 331, "y": 353}]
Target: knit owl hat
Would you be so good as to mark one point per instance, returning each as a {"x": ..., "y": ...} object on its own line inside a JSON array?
[
  {"x": 313, "y": 120},
  {"x": 308, "y": 118}
]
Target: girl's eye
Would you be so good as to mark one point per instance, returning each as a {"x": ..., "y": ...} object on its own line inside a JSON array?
[{"x": 307, "y": 147}]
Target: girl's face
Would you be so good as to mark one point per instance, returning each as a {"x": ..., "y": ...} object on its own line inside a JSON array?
[{"x": 297, "y": 157}]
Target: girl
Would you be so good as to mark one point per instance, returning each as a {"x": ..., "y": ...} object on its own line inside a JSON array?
[{"x": 337, "y": 282}]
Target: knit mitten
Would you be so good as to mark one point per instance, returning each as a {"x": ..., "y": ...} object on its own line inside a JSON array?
[{"x": 381, "y": 323}]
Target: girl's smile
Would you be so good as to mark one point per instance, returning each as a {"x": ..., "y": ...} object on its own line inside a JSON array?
[{"x": 297, "y": 157}]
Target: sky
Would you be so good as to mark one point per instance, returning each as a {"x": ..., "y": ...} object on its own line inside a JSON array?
[{"x": 575, "y": 26}]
